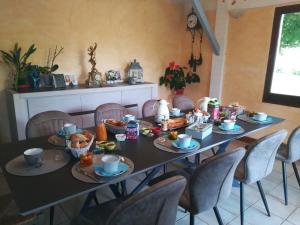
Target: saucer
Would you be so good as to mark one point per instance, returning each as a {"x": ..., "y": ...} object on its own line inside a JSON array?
[
  {"x": 123, "y": 167},
  {"x": 193, "y": 145},
  {"x": 235, "y": 128},
  {"x": 268, "y": 120},
  {"x": 62, "y": 133}
]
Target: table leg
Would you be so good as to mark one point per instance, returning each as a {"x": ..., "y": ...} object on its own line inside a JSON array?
[
  {"x": 87, "y": 201},
  {"x": 146, "y": 180},
  {"x": 51, "y": 215}
]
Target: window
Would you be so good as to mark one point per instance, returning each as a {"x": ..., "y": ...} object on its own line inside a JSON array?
[{"x": 282, "y": 84}]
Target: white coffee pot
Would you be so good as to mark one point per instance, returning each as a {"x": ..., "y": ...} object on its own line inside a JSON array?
[
  {"x": 162, "y": 112},
  {"x": 203, "y": 103}
]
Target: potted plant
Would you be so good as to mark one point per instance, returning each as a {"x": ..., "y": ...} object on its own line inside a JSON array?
[
  {"x": 18, "y": 64},
  {"x": 175, "y": 78},
  {"x": 46, "y": 71}
]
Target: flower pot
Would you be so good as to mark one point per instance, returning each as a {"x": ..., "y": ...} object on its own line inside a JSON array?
[
  {"x": 23, "y": 86},
  {"x": 179, "y": 91}
]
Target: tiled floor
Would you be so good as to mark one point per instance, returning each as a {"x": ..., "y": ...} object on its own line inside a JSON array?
[{"x": 229, "y": 209}]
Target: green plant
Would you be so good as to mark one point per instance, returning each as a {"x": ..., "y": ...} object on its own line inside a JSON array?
[
  {"x": 18, "y": 63},
  {"x": 51, "y": 67},
  {"x": 175, "y": 78}
]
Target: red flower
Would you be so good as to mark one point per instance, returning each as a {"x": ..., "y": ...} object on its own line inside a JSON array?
[
  {"x": 171, "y": 65},
  {"x": 168, "y": 76},
  {"x": 177, "y": 67}
]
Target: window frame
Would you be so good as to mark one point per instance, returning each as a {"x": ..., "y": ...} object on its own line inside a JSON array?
[{"x": 280, "y": 99}]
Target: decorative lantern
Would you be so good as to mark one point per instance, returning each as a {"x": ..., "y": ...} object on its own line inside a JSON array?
[{"x": 135, "y": 72}]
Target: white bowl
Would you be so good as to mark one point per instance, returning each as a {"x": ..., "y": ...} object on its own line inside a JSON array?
[
  {"x": 120, "y": 137},
  {"x": 33, "y": 155}
]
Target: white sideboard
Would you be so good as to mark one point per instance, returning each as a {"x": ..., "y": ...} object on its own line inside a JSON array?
[{"x": 78, "y": 100}]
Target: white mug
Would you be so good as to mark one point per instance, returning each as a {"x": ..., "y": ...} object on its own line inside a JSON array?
[
  {"x": 128, "y": 118},
  {"x": 175, "y": 112},
  {"x": 184, "y": 140},
  {"x": 228, "y": 124},
  {"x": 69, "y": 128},
  {"x": 260, "y": 116},
  {"x": 110, "y": 163}
]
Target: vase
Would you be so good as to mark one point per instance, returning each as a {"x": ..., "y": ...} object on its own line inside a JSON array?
[{"x": 179, "y": 91}]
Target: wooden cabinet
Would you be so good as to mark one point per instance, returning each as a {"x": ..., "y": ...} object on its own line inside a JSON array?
[{"x": 80, "y": 100}]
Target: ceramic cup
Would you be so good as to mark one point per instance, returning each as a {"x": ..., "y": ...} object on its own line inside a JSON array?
[
  {"x": 33, "y": 156},
  {"x": 128, "y": 118},
  {"x": 110, "y": 163},
  {"x": 69, "y": 128},
  {"x": 260, "y": 116},
  {"x": 228, "y": 124},
  {"x": 184, "y": 140},
  {"x": 175, "y": 112}
]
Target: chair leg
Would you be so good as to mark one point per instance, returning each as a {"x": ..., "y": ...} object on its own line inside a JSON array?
[
  {"x": 242, "y": 202},
  {"x": 296, "y": 172},
  {"x": 192, "y": 219},
  {"x": 216, "y": 210},
  {"x": 165, "y": 168},
  {"x": 284, "y": 183},
  {"x": 262, "y": 194}
]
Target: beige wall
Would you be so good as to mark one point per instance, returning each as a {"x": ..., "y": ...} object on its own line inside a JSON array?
[
  {"x": 152, "y": 31},
  {"x": 246, "y": 64}
]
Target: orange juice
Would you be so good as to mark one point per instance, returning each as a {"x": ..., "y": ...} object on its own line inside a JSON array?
[{"x": 101, "y": 133}]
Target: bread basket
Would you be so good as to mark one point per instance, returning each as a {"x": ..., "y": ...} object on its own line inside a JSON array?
[
  {"x": 76, "y": 152},
  {"x": 115, "y": 129}
]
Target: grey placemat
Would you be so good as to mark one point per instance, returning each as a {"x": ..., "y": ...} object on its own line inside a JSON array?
[
  {"x": 217, "y": 130},
  {"x": 53, "y": 159},
  {"x": 246, "y": 118},
  {"x": 165, "y": 144},
  {"x": 86, "y": 174},
  {"x": 145, "y": 124},
  {"x": 57, "y": 141}
]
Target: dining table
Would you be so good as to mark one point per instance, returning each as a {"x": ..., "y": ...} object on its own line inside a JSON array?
[{"x": 35, "y": 193}]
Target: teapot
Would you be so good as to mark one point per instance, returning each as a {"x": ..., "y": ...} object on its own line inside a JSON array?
[
  {"x": 203, "y": 103},
  {"x": 162, "y": 112}
]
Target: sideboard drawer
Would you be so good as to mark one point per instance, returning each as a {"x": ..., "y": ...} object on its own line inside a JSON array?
[
  {"x": 66, "y": 103},
  {"x": 92, "y": 101}
]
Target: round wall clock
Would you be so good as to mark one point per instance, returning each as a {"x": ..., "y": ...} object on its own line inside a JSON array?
[{"x": 192, "y": 21}]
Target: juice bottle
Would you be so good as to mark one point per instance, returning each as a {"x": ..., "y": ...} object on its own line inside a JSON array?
[{"x": 101, "y": 133}]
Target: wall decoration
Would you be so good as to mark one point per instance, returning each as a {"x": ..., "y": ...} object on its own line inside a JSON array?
[
  {"x": 113, "y": 76},
  {"x": 95, "y": 77},
  {"x": 135, "y": 72},
  {"x": 194, "y": 28}
]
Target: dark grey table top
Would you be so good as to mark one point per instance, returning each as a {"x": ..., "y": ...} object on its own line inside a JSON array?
[{"x": 35, "y": 193}]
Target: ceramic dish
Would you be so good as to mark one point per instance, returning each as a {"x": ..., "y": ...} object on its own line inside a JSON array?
[
  {"x": 180, "y": 115},
  {"x": 268, "y": 120},
  {"x": 123, "y": 167},
  {"x": 235, "y": 128},
  {"x": 193, "y": 145},
  {"x": 63, "y": 134}
]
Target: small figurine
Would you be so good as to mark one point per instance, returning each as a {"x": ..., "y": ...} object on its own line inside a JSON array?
[{"x": 95, "y": 77}]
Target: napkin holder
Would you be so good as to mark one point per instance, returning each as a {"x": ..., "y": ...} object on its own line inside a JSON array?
[{"x": 199, "y": 131}]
